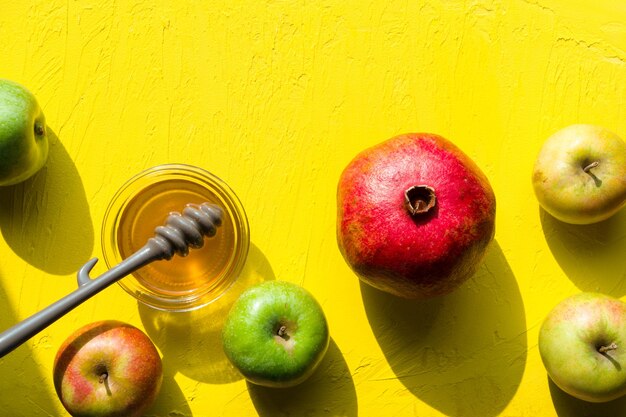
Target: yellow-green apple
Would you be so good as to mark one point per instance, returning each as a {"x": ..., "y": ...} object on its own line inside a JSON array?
[
  {"x": 415, "y": 215},
  {"x": 23, "y": 134},
  {"x": 579, "y": 176},
  {"x": 275, "y": 334},
  {"x": 107, "y": 369},
  {"x": 582, "y": 343}
]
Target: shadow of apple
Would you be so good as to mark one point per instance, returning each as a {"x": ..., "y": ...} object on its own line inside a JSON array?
[
  {"x": 592, "y": 256},
  {"x": 171, "y": 400},
  {"x": 22, "y": 374},
  {"x": 567, "y": 406},
  {"x": 463, "y": 354},
  {"x": 329, "y": 391},
  {"x": 46, "y": 219},
  {"x": 191, "y": 342}
]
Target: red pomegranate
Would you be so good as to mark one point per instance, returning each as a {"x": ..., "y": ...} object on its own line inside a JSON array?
[{"x": 414, "y": 215}]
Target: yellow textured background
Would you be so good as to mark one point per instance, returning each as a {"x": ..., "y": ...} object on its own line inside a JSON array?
[{"x": 276, "y": 97}]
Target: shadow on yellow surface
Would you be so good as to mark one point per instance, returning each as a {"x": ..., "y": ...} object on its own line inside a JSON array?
[
  {"x": 46, "y": 219},
  {"x": 23, "y": 387},
  {"x": 463, "y": 354},
  {"x": 191, "y": 341},
  {"x": 171, "y": 400},
  {"x": 592, "y": 256},
  {"x": 329, "y": 391},
  {"x": 568, "y": 406}
]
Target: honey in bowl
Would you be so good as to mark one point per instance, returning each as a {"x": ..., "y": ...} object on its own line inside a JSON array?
[{"x": 181, "y": 283}]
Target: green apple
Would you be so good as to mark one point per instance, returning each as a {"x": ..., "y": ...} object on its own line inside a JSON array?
[
  {"x": 579, "y": 176},
  {"x": 582, "y": 343},
  {"x": 107, "y": 368},
  {"x": 23, "y": 134},
  {"x": 275, "y": 334}
]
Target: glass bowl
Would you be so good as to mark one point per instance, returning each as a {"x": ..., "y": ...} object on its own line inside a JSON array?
[{"x": 181, "y": 283}]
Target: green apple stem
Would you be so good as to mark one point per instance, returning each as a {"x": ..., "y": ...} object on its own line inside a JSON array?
[
  {"x": 40, "y": 129},
  {"x": 282, "y": 332},
  {"x": 591, "y": 165},
  {"x": 419, "y": 199},
  {"x": 604, "y": 349}
]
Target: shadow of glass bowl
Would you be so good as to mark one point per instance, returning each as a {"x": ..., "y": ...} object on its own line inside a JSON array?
[{"x": 191, "y": 341}]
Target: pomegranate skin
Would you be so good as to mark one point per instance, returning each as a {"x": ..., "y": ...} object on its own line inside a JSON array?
[{"x": 418, "y": 255}]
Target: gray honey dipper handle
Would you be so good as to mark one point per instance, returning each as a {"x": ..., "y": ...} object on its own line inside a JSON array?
[{"x": 180, "y": 232}]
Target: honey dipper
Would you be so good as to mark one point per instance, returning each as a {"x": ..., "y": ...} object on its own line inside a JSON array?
[{"x": 181, "y": 231}]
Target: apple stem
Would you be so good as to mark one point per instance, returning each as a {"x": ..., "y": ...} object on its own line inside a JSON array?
[
  {"x": 39, "y": 129},
  {"x": 103, "y": 377},
  {"x": 591, "y": 165},
  {"x": 282, "y": 330},
  {"x": 604, "y": 349},
  {"x": 419, "y": 199}
]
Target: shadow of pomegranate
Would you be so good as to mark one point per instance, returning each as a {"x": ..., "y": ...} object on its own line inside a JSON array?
[
  {"x": 567, "y": 406},
  {"x": 329, "y": 391},
  {"x": 463, "y": 354},
  {"x": 46, "y": 219},
  {"x": 592, "y": 256},
  {"x": 191, "y": 342}
]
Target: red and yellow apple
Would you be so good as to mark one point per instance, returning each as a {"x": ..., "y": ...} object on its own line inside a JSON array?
[{"x": 107, "y": 368}]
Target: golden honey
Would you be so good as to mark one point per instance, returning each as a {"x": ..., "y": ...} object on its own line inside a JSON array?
[{"x": 181, "y": 283}]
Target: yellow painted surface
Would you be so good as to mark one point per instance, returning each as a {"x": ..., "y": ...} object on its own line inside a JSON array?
[{"x": 276, "y": 97}]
